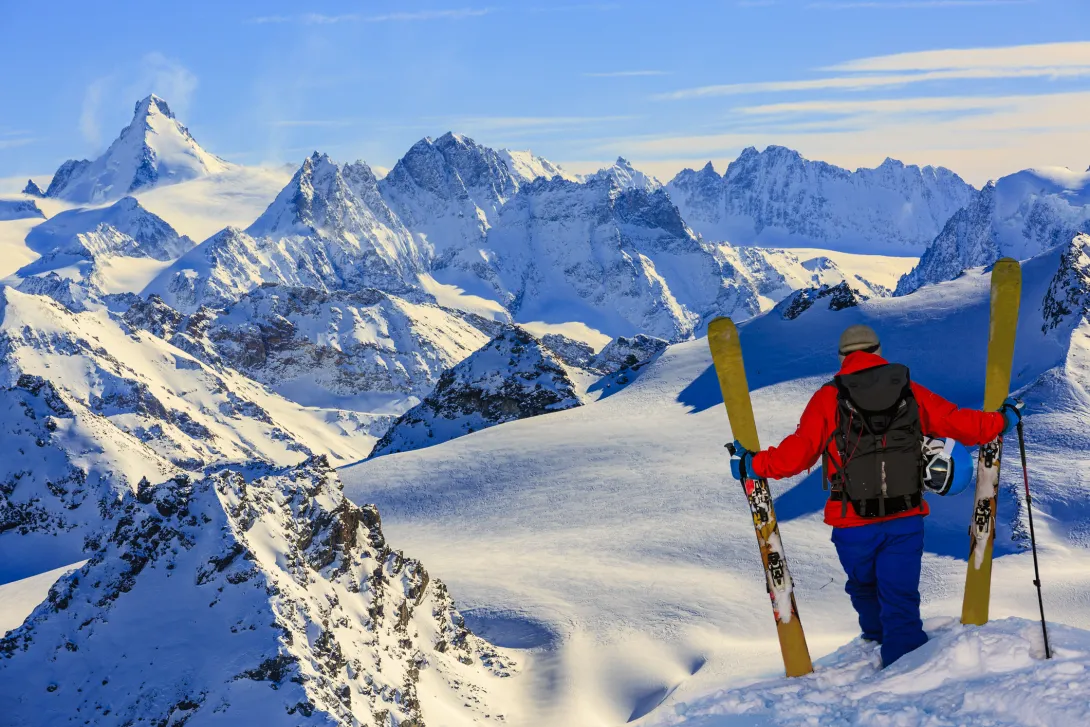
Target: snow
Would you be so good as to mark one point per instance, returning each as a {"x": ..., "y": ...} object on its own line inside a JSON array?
[
  {"x": 153, "y": 149},
  {"x": 575, "y": 330},
  {"x": 991, "y": 675},
  {"x": 776, "y": 198},
  {"x": 618, "y": 530},
  {"x": 203, "y": 206},
  {"x": 18, "y": 598}
]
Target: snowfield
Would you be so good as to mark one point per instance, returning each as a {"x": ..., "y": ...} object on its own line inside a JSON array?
[{"x": 628, "y": 559}]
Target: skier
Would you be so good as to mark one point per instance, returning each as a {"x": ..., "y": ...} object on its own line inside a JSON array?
[{"x": 869, "y": 425}]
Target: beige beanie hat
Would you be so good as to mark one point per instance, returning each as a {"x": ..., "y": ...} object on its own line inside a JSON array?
[{"x": 859, "y": 338}]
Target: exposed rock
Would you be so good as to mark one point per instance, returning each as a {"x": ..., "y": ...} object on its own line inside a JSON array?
[
  {"x": 33, "y": 189},
  {"x": 627, "y": 352},
  {"x": 259, "y": 595},
  {"x": 839, "y": 297},
  {"x": 513, "y": 377},
  {"x": 1068, "y": 297}
]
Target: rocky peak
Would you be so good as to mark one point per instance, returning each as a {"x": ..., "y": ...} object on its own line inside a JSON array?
[
  {"x": 514, "y": 376},
  {"x": 153, "y": 149},
  {"x": 273, "y": 598},
  {"x": 19, "y": 209},
  {"x": 33, "y": 189},
  {"x": 623, "y": 175},
  {"x": 1068, "y": 297}
]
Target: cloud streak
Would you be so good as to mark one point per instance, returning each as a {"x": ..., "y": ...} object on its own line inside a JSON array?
[
  {"x": 910, "y": 5},
  {"x": 1046, "y": 60},
  {"x": 625, "y": 74},
  {"x": 399, "y": 17}
]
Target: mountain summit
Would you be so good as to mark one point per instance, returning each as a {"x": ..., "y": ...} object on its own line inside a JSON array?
[{"x": 153, "y": 149}]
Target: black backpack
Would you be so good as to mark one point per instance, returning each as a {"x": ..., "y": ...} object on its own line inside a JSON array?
[{"x": 880, "y": 442}]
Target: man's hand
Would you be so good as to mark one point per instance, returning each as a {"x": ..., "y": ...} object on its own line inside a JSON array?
[
  {"x": 1012, "y": 413},
  {"x": 740, "y": 461}
]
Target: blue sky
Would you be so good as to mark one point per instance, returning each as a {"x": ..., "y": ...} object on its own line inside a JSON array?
[{"x": 985, "y": 87}]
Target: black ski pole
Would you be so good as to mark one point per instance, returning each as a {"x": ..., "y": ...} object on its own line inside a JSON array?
[{"x": 1032, "y": 537}]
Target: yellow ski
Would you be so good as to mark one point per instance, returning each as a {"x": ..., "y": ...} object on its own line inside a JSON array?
[
  {"x": 727, "y": 355},
  {"x": 1006, "y": 292}
]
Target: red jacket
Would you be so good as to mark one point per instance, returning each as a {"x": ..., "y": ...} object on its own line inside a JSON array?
[{"x": 801, "y": 450}]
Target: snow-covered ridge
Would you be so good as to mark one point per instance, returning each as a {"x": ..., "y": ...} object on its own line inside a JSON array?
[
  {"x": 153, "y": 149},
  {"x": 776, "y": 197},
  {"x": 255, "y": 595},
  {"x": 19, "y": 209},
  {"x": 328, "y": 229},
  {"x": 1020, "y": 216},
  {"x": 623, "y": 175},
  {"x": 316, "y": 347}
]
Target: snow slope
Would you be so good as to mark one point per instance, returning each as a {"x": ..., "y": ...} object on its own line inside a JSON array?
[
  {"x": 153, "y": 149},
  {"x": 201, "y": 207},
  {"x": 628, "y": 558},
  {"x": 1019, "y": 216},
  {"x": 994, "y": 675},
  {"x": 778, "y": 198},
  {"x": 19, "y": 209}
]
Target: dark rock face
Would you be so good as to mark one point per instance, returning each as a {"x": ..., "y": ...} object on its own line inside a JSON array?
[
  {"x": 839, "y": 297},
  {"x": 257, "y": 575},
  {"x": 628, "y": 352},
  {"x": 1068, "y": 296},
  {"x": 513, "y": 377},
  {"x": 33, "y": 189},
  {"x": 65, "y": 174},
  {"x": 573, "y": 353}
]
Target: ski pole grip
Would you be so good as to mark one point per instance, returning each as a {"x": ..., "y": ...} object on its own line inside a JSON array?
[{"x": 730, "y": 448}]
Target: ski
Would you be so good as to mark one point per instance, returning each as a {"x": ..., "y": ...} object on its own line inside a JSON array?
[
  {"x": 727, "y": 357},
  {"x": 1006, "y": 292}
]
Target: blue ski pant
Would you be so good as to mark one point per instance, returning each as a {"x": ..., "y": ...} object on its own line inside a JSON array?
[{"x": 882, "y": 561}]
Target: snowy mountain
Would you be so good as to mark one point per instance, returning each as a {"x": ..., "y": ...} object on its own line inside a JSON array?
[
  {"x": 103, "y": 247},
  {"x": 527, "y": 167},
  {"x": 447, "y": 190},
  {"x": 19, "y": 209},
  {"x": 256, "y": 595},
  {"x": 364, "y": 349},
  {"x": 1020, "y": 215},
  {"x": 153, "y": 149},
  {"x": 625, "y": 176},
  {"x": 778, "y": 198},
  {"x": 328, "y": 229},
  {"x": 32, "y": 189},
  {"x": 622, "y": 261},
  {"x": 100, "y": 405},
  {"x": 513, "y": 377}
]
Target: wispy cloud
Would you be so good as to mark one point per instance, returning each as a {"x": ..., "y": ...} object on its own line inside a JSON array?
[
  {"x": 314, "y": 123},
  {"x": 400, "y": 17},
  {"x": 911, "y": 4},
  {"x": 1046, "y": 60},
  {"x": 17, "y": 141},
  {"x": 625, "y": 74},
  {"x": 1040, "y": 55}
]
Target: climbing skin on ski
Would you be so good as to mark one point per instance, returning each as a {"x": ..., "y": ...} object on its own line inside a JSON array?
[
  {"x": 727, "y": 356},
  {"x": 1005, "y": 294}
]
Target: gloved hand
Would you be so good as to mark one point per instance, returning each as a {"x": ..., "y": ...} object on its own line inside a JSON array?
[
  {"x": 740, "y": 459},
  {"x": 1012, "y": 413}
]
